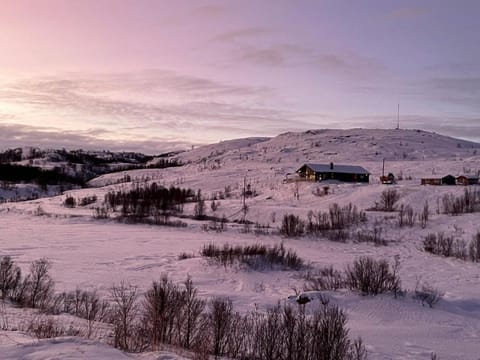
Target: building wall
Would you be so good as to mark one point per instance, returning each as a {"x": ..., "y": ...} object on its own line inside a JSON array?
[{"x": 343, "y": 177}]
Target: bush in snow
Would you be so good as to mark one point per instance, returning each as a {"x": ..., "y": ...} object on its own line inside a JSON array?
[
  {"x": 469, "y": 202},
  {"x": 388, "y": 200},
  {"x": 292, "y": 226},
  {"x": 124, "y": 317},
  {"x": 46, "y": 327},
  {"x": 474, "y": 248},
  {"x": 372, "y": 277},
  {"x": 427, "y": 294},
  {"x": 336, "y": 218},
  {"x": 326, "y": 278},
  {"x": 10, "y": 277},
  {"x": 406, "y": 216},
  {"x": 424, "y": 215},
  {"x": 171, "y": 313},
  {"x": 219, "y": 322},
  {"x": 87, "y": 200},
  {"x": 69, "y": 202},
  {"x": 37, "y": 289},
  {"x": 255, "y": 256},
  {"x": 284, "y": 332},
  {"x": 440, "y": 244}
]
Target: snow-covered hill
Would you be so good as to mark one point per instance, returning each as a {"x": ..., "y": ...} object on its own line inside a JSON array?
[
  {"x": 91, "y": 253},
  {"x": 339, "y": 145}
]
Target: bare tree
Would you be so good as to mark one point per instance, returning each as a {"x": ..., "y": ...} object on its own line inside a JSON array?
[
  {"x": 10, "y": 277},
  {"x": 38, "y": 287},
  {"x": 124, "y": 313},
  {"x": 424, "y": 215},
  {"x": 219, "y": 321},
  {"x": 199, "y": 208},
  {"x": 193, "y": 307}
]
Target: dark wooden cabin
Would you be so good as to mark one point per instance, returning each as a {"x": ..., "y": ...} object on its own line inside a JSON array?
[{"x": 345, "y": 173}]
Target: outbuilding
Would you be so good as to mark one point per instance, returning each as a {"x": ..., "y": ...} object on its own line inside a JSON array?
[{"x": 467, "y": 180}]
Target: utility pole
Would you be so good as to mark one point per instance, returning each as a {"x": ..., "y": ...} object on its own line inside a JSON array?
[{"x": 244, "y": 195}]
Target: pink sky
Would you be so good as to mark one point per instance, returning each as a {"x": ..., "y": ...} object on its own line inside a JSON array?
[{"x": 154, "y": 74}]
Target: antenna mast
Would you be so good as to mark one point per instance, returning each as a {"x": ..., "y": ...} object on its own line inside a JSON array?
[{"x": 398, "y": 117}]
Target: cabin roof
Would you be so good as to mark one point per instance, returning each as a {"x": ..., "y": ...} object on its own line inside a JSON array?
[
  {"x": 470, "y": 177},
  {"x": 346, "y": 169}
]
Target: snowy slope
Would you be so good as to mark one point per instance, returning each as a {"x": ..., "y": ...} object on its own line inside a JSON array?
[{"x": 90, "y": 253}]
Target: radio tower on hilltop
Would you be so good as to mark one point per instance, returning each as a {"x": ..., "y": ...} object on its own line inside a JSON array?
[{"x": 398, "y": 117}]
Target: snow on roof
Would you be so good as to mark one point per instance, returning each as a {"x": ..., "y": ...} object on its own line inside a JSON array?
[{"x": 347, "y": 169}]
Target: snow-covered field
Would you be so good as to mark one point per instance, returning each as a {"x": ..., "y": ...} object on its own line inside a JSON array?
[{"x": 95, "y": 254}]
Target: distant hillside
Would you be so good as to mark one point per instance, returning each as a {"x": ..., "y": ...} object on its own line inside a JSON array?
[
  {"x": 336, "y": 145},
  {"x": 29, "y": 173}
]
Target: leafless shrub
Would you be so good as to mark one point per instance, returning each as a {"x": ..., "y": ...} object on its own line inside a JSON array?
[
  {"x": 406, "y": 216},
  {"x": 261, "y": 229},
  {"x": 255, "y": 256},
  {"x": 84, "y": 304},
  {"x": 268, "y": 334},
  {"x": 184, "y": 255},
  {"x": 343, "y": 217},
  {"x": 439, "y": 244},
  {"x": 424, "y": 215},
  {"x": 330, "y": 335},
  {"x": 100, "y": 213},
  {"x": 388, "y": 200},
  {"x": 87, "y": 200},
  {"x": 474, "y": 248},
  {"x": 70, "y": 202},
  {"x": 37, "y": 289},
  {"x": 10, "y": 277},
  {"x": 161, "y": 304},
  {"x": 371, "y": 277},
  {"x": 326, "y": 278},
  {"x": 219, "y": 321},
  {"x": 372, "y": 236},
  {"x": 358, "y": 350},
  {"x": 200, "y": 207},
  {"x": 292, "y": 226},
  {"x": 334, "y": 223},
  {"x": 469, "y": 202},
  {"x": 447, "y": 246},
  {"x": 460, "y": 249},
  {"x": 192, "y": 310},
  {"x": 45, "y": 327},
  {"x": 427, "y": 294},
  {"x": 124, "y": 315}
]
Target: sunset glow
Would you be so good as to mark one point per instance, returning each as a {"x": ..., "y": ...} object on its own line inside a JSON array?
[{"x": 153, "y": 75}]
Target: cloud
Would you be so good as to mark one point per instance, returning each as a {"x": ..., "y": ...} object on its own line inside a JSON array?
[
  {"x": 460, "y": 91},
  {"x": 335, "y": 64},
  {"x": 15, "y": 135},
  {"x": 134, "y": 106},
  {"x": 235, "y": 35},
  {"x": 467, "y": 128}
]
